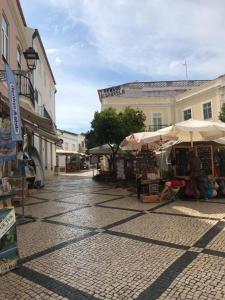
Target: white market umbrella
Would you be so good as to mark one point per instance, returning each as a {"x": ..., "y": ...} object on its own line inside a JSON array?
[
  {"x": 195, "y": 131},
  {"x": 186, "y": 131},
  {"x": 136, "y": 140}
]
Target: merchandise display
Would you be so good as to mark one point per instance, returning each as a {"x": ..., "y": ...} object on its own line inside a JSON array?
[
  {"x": 147, "y": 176},
  {"x": 8, "y": 240},
  {"x": 120, "y": 169},
  {"x": 8, "y": 237}
]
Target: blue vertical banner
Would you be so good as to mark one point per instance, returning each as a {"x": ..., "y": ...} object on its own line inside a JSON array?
[{"x": 16, "y": 130}]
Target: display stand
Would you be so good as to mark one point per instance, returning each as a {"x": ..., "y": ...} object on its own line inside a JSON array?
[
  {"x": 20, "y": 189},
  {"x": 181, "y": 154},
  {"x": 147, "y": 178},
  {"x": 8, "y": 237},
  {"x": 205, "y": 153}
]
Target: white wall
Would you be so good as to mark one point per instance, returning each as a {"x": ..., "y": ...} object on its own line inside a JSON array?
[
  {"x": 44, "y": 84},
  {"x": 81, "y": 143},
  {"x": 62, "y": 161},
  {"x": 71, "y": 139}
]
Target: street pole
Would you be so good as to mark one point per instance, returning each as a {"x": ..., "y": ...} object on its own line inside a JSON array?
[{"x": 186, "y": 68}]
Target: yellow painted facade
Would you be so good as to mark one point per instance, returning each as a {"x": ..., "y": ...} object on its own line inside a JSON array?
[
  {"x": 163, "y": 102},
  {"x": 157, "y": 105},
  {"x": 195, "y": 99}
]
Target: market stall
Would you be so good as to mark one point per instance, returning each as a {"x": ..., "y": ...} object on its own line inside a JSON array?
[
  {"x": 8, "y": 237},
  {"x": 8, "y": 244},
  {"x": 200, "y": 137},
  {"x": 10, "y": 136},
  {"x": 71, "y": 161},
  {"x": 101, "y": 159}
]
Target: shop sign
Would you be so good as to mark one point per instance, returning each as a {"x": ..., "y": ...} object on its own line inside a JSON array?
[
  {"x": 16, "y": 130},
  {"x": 8, "y": 240},
  {"x": 110, "y": 92}
]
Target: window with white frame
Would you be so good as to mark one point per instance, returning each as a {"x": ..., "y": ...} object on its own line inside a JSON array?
[
  {"x": 157, "y": 121},
  {"x": 207, "y": 110},
  {"x": 5, "y": 38},
  {"x": 187, "y": 114},
  {"x": 74, "y": 147}
]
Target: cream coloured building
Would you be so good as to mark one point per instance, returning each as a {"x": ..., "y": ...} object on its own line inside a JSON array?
[
  {"x": 203, "y": 102},
  {"x": 36, "y": 90},
  {"x": 45, "y": 89},
  {"x": 157, "y": 100}
]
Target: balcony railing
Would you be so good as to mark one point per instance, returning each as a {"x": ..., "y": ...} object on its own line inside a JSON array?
[
  {"x": 25, "y": 87},
  {"x": 156, "y": 127}
]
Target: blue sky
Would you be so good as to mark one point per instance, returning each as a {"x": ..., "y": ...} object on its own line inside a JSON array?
[{"x": 94, "y": 44}]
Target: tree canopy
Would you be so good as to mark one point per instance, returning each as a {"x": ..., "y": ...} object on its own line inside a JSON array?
[{"x": 110, "y": 127}]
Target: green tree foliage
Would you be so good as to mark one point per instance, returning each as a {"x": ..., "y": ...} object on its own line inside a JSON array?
[
  {"x": 90, "y": 139},
  {"x": 222, "y": 113},
  {"x": 133, "y": 121},
  {"x": 110, "y": 127}
]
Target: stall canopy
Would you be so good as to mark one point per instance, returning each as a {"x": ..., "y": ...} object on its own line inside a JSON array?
[
  {"x": 186, "y": 131},
  {"x": 195, "y": 131},
  {"x": 136, "y": 140},
  {"x": 103, "y": 150}
]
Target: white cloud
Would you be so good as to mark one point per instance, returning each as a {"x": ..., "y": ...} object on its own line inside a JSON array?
[
  {"x": 148, "y": 39},
  {"x": 154, "y": 37},
  {"x": 52, "y": 50},
  {"x": 58, "y": 61},
  {"x": 76, "y": 102}
]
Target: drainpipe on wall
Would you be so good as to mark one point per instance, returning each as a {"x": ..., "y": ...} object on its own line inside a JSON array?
[{"x": 34, "y": 35}]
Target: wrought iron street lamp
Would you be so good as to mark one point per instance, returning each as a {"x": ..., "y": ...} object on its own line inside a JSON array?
[{"x": 31, "y": 57}]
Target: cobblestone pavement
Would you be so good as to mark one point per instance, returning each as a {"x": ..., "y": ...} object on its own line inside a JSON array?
[{"x": 85, "y": 240}]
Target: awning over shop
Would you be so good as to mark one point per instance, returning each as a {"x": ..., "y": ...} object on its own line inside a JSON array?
[
  {"x": 34, "y": 129},
  {"x": 35, "y": 123},
  {"x": 34, "y": 118}
]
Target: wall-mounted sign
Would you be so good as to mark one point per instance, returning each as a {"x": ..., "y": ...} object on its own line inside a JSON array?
[
  {"x": 110, "y": 92},
  {"x": 16, "y": 130}
]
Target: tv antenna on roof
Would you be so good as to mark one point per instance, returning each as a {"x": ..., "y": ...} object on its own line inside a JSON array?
[{"x": 186, "y": 68}]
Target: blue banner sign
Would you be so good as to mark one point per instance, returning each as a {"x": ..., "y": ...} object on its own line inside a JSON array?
[{"x": 16, "y": 130}]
